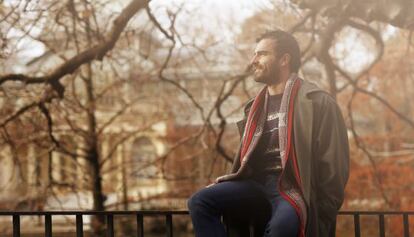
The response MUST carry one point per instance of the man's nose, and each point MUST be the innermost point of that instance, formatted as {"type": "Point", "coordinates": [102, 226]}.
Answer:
{"type": "Point", "coordinates": [250, 67]}
{"type": "Point", "coordinates": [253, 61]}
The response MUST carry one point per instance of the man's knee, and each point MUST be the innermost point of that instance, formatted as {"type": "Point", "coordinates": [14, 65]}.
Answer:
{"type": "Point", "coordinates": [192, 202]}
{"type": "Point", "coordinates": [282, 230]}
{"type": "Point", "coordinates": [286, 226]}
{"type": "Point", "coordinates": [196, 201]}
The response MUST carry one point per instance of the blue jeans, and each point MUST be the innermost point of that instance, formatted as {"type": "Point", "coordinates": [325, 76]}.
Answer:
{"type": "Point", "coordinates": [242, 199]}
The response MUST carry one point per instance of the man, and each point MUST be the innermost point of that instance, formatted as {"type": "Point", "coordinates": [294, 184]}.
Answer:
{"type": "Point", "coordinates": [294, 153]}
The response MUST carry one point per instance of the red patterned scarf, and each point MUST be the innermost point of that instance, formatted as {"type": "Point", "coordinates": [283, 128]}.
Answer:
{"type": "Point", "coordinates": [290, 182]}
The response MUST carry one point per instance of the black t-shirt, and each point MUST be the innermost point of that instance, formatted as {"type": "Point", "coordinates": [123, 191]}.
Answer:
{"type": "Point", "coordinates": [266, 157]}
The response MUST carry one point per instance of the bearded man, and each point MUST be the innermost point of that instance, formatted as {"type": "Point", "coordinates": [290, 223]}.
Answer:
{"type": "Point", "coordinates": [293, 155]}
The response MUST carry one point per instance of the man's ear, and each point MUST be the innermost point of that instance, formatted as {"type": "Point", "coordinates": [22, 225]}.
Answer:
{"type": "Point", "coordinates": [285, 60]}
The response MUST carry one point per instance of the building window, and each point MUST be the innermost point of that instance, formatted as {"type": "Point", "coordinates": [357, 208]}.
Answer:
{"type": "Point", "coordinates": [144, 157]}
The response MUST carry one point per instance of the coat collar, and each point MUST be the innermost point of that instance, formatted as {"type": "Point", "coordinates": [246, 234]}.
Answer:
{"type": "Point", "coordinates": [305, 89]}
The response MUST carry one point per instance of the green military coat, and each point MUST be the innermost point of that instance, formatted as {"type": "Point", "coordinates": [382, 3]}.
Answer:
{"type": "Point", "coordinates": [322, 151]}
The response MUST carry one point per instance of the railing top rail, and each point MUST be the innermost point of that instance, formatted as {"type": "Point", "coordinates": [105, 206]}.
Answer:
{"type": "Point", "coordinates": [174, 212]}
{"type": "Point", "coordinates": [72, 212]}
{"type": "Point", "coordinates": [376, 212]}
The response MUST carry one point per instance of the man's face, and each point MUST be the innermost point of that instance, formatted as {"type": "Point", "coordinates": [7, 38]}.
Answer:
{"type": "Point", "coordinates": [265, 64]}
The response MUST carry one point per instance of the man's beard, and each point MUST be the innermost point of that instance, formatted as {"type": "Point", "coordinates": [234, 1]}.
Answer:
{"type": "Point", "coordinates": [268, 76]}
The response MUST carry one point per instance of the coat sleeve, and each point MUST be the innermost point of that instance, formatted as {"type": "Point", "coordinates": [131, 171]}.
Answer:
{"type": "Point", "coordinates": [332, 157]}
{"type": "Point", "coordinates": [240, 125]}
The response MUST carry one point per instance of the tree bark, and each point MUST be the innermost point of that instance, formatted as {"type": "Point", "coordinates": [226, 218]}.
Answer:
{"type": "Point", "coordinates": [93, 156]}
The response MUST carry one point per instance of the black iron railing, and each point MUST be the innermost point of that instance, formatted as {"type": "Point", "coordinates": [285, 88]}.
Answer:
{"type": "Point", "coordinates": [381, 220]}
{"type": "Point", "coordinates": [109, 215]}
{"type": "Point", "coordinates": [139, 215]}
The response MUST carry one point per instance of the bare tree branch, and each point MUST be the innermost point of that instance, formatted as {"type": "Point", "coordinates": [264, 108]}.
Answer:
{"type": "Point", "coordinates": [96, 52]}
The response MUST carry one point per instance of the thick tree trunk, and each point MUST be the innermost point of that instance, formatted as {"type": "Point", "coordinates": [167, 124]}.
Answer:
{"type": "Point", "coordinates": [98, 222]}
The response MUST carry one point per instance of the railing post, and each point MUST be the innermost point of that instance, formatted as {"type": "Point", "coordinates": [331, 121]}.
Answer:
{"type": "Point", "coordinates": [140, 225]}
{"type": "Point", "coordinates": [48, 225]}
{"type": "Point", "coordinates": [16, 226]}
{"type": "Point", "coordinates": [168, 222]}
{"type": "Point", "coordinates": [251, 230]}
{"type": "Point", "coordinates": [406, 225]}
{"type": "Point", "coordinates": [357, 227]}
{"type": "Point", "coordinates": [382, 225]}
{"type": "Point", "coordinates": [79, 225]}
{"type": "Point", "coordinates": [110, 225]}
{"type": "Point", "coordinates": [225, 223]}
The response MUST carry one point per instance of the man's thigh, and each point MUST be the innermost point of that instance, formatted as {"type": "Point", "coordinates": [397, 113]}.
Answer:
{"type": "Point", "coordinates": [284, 220]}
{"type": "Point", "coordinates": [232, 197]}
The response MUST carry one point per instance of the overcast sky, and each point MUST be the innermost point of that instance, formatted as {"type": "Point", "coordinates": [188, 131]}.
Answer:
{"type": "Point", "coordinates": [224, 18]}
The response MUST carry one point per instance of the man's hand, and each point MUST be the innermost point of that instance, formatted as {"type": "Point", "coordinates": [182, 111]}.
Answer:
{"type": "Point", "coordinates": [220, 179]}
{"type": "Point", "coordinates": [210, 185]}
{"type": "Point", "coordinates": [214, 182]}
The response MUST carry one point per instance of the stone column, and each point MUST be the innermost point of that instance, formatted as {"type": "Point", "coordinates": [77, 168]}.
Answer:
{"type": "Point", "coordinates": [119, 161]}
{"type": "Point", "coordinates": [56, 166]}
{"type": "Point", "coordinates": [31, 165]}
{"type": "Point", "coordinates": [104, 150]}
{"type": "Point", "coordinates": [81, 163]}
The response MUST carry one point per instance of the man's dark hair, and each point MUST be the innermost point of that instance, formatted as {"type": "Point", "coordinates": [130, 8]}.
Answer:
{"type": "Point", "coordinates": [285, 43]}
